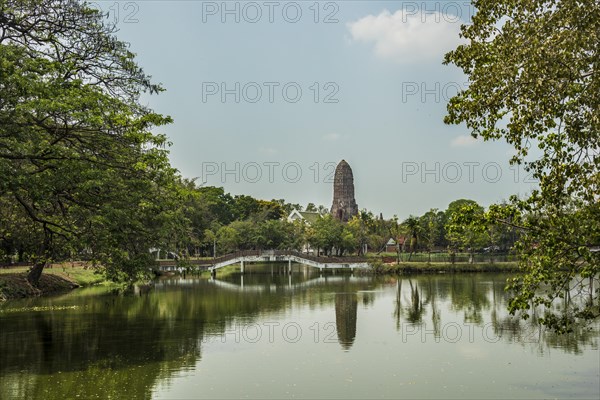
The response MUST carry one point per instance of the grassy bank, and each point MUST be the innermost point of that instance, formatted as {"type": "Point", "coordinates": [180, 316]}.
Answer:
{"type": "Point", "coordinates": [423, 267]}
{"type": "Point", "coordinates": [59, 278]}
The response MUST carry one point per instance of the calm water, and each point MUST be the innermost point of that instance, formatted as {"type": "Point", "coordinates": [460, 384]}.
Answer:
{"type": "Point", "coordinates": [272, 335]}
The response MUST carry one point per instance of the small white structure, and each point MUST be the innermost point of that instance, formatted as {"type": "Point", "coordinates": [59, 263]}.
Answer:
{"type": "Point", "coordinates": [390, 246]}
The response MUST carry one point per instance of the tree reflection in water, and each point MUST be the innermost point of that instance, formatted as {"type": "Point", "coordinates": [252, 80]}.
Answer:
{"type": "Point", "coordinates": [413, 310]}
{"type": "Point", "coordinates": [103, 345]}
{"type": "Point", "coordinates": [473, 294]}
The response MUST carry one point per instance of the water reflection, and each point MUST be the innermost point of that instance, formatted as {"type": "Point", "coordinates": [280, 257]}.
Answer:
{"type": "Point", "coordinates": [482, 302]}
{"type": "Point", "coordinates": [346, 307]}
{"type": "Point", "coordinates": [121, 343]}
{"type": "Point", "coordinates": [99, 344]}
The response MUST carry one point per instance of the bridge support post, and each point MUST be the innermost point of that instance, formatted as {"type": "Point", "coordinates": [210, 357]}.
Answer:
{"type": "Point", "coordinates": [289, 266]}
{"type": "Point", "coordinates": [242, 266]}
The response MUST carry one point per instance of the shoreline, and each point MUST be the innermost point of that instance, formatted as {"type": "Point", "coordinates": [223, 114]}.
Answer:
{"type": "Point", "coordinates": [14, 285]}
{"type": "Point", "coordinates": [55, 280]}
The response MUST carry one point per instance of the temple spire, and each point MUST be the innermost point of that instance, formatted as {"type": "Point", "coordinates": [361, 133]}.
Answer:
{"type": "Point", "coordinates": [344, 205]}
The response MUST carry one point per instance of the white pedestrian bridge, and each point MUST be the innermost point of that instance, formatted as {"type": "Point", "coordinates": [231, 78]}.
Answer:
{"type": "Point", "coordinates": [279, 256]}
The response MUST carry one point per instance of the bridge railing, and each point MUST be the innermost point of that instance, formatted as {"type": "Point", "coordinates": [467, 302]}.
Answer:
{"type": "Point", "coordinates": [326, 259]}
{"type": "Point", "coordinates": [237, 254]}
{"type": "Point", "coordinates": [319, 259]}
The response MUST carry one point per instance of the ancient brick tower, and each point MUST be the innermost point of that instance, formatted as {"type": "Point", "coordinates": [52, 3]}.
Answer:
{"type": "Point", "coordinates": [344, 206]}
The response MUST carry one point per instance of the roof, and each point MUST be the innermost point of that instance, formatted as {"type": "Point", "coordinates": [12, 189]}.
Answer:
{"type": "Point", "coordinates": [307, 216]}
{"type": "Point", "coordinates": [310, 216]}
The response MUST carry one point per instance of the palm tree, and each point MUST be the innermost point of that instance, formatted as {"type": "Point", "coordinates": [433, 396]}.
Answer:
{"type": "Point", "coordinates": [414, 230]}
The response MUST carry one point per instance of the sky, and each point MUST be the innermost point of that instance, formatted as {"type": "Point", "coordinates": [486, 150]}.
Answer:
{"type": "Point", "coordinates": [268, 96]}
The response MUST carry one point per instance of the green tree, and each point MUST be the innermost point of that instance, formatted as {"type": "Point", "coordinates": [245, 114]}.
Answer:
{"type": "Point", "coordinates": [297, 239]}
{"type": "Point", "coordinates": [17, 233]}
{"type": "Point", "coordinates": [244, 206]}
{"type": "Point", "coordinates": [247, 232]}
{"type": "Point", "coordinates": [77, 152]}
{"type": "Point", "coordinates": [358, 227]}
{"type": "Point", "coordinates": [270, 210]}
{"type": "Point", "coordinates": [414, 230]}
{"type": "Point", "coordinates": [466, 229]}
{"type": "Point", "coordinates": [228, 239]}
{"type": "Point", "coordinates": [209, 240]}
{"type": "Point", "coordinates": [533, 70]}
{"type": "Point", "coordinates": [326, 234]}
{"type": "Point", "coordinates": [348, 242]}
{"type": "Point", "coordinates": [456, 205]}
{"type": "Point", "coordinates": [215, 206]}
{"type": "Point", "coordinates": [274, 234]}
{"type": "Point", "coordinates": [430, 222]}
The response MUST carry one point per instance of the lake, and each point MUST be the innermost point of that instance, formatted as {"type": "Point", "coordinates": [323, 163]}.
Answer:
{"type": "Point", "coordinates": [267, 334]}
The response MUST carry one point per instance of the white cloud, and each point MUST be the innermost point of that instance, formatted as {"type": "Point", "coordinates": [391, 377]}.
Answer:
{"type": "Point", "coordinates": [332, 137]}
{"type": "Point", "coordinates": [408, 37]}
{"type": "Point", "coordinates": [463, 141]}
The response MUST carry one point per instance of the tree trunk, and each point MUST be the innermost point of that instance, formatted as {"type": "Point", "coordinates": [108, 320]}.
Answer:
{"type": "Point", "coordinates": [34, 274]}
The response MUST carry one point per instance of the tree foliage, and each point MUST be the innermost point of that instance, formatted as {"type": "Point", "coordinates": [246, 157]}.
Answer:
{"type": "Point", "coordinates": [466, 230]}
{"type": "Point", "coordinates": [82, 169]}
{"type": "Point", "coordinates": [533, 69]}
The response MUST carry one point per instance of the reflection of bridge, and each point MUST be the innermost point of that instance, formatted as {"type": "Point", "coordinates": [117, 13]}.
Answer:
{"type": "Point", "coordinates": [290, 286]}
{"type": "Point", "coordinates": [264, 256]}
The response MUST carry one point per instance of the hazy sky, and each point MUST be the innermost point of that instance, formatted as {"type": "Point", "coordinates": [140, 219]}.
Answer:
{"type": "Point", "coordinates": [268, 96]}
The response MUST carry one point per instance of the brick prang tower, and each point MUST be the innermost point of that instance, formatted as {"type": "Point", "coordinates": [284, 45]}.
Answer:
{"type": "Point", "coordinates": [344, 205]}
